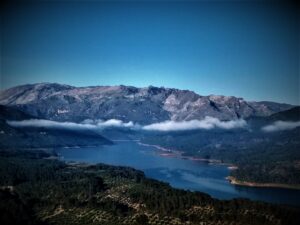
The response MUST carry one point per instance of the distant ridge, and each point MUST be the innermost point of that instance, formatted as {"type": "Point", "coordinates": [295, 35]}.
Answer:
{"type": "Point", "coordinates": [292, 114]}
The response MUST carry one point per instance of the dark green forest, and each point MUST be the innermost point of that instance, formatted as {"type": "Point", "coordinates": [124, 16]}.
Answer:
{"type": "Point", "coordinates": [38, 189]}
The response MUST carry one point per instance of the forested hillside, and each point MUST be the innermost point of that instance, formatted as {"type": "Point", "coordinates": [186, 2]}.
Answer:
{"type": "Point", "coordinates": [262, 157]}
{"type": "Point", "coordinates": [39, 190]}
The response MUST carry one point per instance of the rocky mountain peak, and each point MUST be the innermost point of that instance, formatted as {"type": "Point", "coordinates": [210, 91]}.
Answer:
{"type": "Point", "coordinates": [127, 103]}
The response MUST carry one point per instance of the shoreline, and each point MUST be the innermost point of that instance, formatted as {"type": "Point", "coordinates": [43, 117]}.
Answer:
{"type": "Point", "coordinates": [176, 153]}
{"type": "Point", "coordinates": [232, 180]}
{"type": "Point", "coordinates": [166, 152]}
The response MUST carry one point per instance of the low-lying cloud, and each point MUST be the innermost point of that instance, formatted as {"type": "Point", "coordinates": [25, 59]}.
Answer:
{"type": "Point", "coordinates": [108, 123]}
{"type": "Point", "coordinates": [207, 123]}
{"type": "Point", "coordinates": [281, 126]}
{"type": "Point", "coordinates": [87, 124]}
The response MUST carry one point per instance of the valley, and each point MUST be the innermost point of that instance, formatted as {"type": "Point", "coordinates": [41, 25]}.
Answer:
{"type": "Point", "coordinates": [144, 112]}
{"type": "Point", "coordinates": [179, 172]}
{"type": "Point", "coordinates": [223, 155]}
{"type": "Point", "coordinates": [37, 190]}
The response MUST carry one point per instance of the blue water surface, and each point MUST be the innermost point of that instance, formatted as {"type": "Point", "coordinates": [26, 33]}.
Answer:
{"type": "Point", "coordinates": [179, 172]}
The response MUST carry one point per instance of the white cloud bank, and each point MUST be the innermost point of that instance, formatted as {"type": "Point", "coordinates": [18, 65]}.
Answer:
{"type": "Point", "coordinates": [207, 123]}
{"type": "Point", "coordinates": [87, 124]}
{"type": "Point", "coordinates": [281, 126]}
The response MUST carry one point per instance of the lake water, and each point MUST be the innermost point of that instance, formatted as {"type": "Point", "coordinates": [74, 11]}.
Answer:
{"type": "Point", "coordinates": [180, 173]}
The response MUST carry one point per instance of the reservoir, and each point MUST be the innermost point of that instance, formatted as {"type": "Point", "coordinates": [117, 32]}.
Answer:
{"type": "Point", "coordinates": [178, 172]}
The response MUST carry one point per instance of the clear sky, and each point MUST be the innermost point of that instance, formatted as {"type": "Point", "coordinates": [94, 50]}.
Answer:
{"type": "Point", "coordinates": [241, 48]}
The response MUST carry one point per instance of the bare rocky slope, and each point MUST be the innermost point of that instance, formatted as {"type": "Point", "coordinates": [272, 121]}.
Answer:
{"type": "Point", "coordinates": [142, 105]}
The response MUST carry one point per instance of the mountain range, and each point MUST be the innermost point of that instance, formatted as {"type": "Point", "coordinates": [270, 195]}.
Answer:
{"type": "Point", "coordinates": [141, 105]}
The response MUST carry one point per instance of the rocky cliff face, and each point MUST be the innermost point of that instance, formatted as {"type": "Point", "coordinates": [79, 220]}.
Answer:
{"type": "Point", "coordinates": [141, 105]}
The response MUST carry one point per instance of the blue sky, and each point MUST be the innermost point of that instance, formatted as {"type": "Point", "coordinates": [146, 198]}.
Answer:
{"type": "Point", "coordinates": [241, 48]}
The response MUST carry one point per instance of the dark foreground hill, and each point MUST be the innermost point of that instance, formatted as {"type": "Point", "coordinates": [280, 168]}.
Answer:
{"type": "Point", "coordinates": [37, 190]}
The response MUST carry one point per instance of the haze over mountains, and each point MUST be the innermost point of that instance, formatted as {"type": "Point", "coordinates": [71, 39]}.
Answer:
{"type": "Point", "coordinates": [126, 103]}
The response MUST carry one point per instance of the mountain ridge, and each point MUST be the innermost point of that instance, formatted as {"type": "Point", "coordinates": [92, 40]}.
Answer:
{"type": "Point", "coordinates": [142, 105]}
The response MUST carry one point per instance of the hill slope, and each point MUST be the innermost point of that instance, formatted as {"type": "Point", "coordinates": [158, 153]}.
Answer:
{"type": "Point", "coordinates": [43, 191]}
{"type": "Point", "coordinates": [261, 157]}
{"type": "Point", "coordinates": [12, 138]}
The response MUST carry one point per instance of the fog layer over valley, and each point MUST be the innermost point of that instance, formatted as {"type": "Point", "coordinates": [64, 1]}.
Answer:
{"type": "Point", "coordinates": [207, 123]}
{"type": "Point", "coordinates": [281, 126]}
{"type": "Point", "coordinates": [254, 136]}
